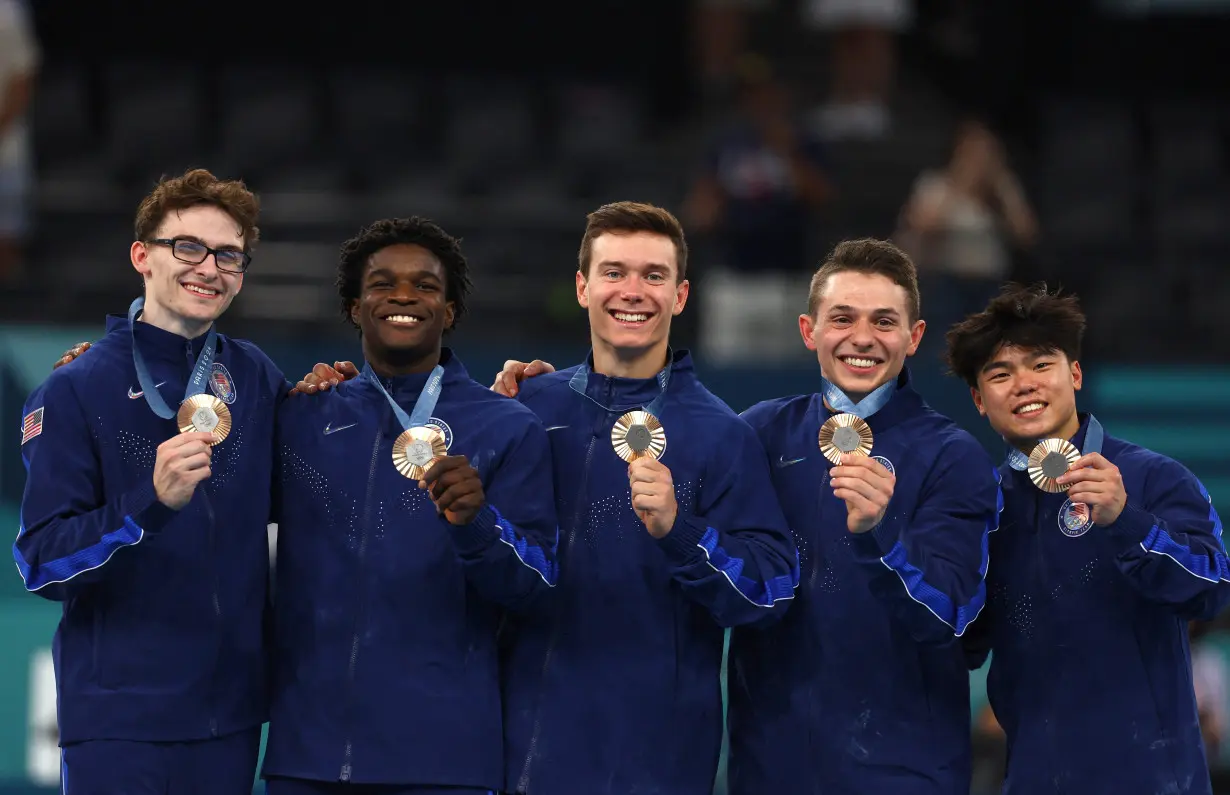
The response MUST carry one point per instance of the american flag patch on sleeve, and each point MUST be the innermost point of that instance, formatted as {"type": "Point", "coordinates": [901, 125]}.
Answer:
{"type": "Point", "coordinates": [32, 425]}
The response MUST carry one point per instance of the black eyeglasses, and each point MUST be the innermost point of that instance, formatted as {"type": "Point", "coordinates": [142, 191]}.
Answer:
{"type": "Point", "coordinates": [194, 252]}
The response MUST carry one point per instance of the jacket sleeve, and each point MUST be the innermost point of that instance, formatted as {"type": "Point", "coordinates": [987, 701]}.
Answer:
{"type": "Point", "coordinates": [929, 567]}
{"type": "Point", "coordinates": [69, 529]}
{"type": "Point", "coordinates": [1169, 544]}
{"type": "Point", "coordinates": [509, 550]}
{"type": "Point", "coordinates": [736, 556]}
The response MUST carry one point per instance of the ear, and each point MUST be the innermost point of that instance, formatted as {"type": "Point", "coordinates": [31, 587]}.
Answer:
{"type": "Point", "coordinates": [682, 290]}
{"type": "Point", "coordinates": [1078, 378]}
{"type": "Point", "coordinates": [977, 396]}
{"type": "Point", "coordinates": [916, 335]}
{"type": "Point", "coordinates": [807, 329]}
{"type": "Point", "coordinates": [582, 290]}
{"type": "Point", "coordinates": [450, 314]}
{"type": "Point", "coordinates": [139, 255]}
{"type": "Point", "coordinates": [354, 311]}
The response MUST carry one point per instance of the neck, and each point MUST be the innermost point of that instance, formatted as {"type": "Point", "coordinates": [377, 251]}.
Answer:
{"type": "Point", "coordinates": [629, 363]}
{"type": "Point", "coordinates": [159, 317]}
{"type": "Point", "coordinates": [390, 364]}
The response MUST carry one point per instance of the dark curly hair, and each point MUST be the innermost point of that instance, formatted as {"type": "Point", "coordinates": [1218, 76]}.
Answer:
{"type": "Point", "coordinates": [413, 231]}
{"type": "Point", "coordinates": [1031, 317]}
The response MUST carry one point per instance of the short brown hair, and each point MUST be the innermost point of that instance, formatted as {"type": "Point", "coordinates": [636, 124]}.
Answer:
{"type": "Point", "coordinates": [630, 217]}
{"type": "Point", "coordinates": [868, 255]}
{"type": "Point", "coordinates": [194, 188]}
{"type": "Point", "coordinates": [1033, 318]}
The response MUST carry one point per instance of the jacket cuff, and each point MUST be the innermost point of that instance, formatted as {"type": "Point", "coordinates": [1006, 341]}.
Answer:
{"type": "Point", "coordinates": [1132, 526]}
{"type": "Point", "coordinates": [876, 542]}
{"type": "Point", "coordinates": [682, 543]}
{"type": "Point", "coordinates": [144, 509]}
{"type": "Point", "coordinates": [473, 538]}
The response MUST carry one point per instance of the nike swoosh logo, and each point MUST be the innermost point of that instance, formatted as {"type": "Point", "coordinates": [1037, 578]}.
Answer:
{"type": "Point", "coordinates": [134, 395]}
{"type": "Point", "coordinates": [782, 462]}
{"type": "Point", "coordinates": [557, 427]}
{"type": "Point", "coordinates": [330, 429]}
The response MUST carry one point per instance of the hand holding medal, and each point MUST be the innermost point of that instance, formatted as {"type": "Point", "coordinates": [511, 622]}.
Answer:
{"type": "Point", "coordinates": [858, 480]}
{"type": "Point", "coordinates": [455, 487]}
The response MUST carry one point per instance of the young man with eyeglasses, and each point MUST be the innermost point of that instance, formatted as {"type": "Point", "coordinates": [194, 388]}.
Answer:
{"type": "Point", "coordinates": [145, 512]}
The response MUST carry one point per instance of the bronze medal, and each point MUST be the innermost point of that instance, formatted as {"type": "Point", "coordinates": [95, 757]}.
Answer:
{"type": "Point", "coordinates": [1050, 459]}
{"type": "Point", "coordinates": [416, 450]}
{"type": "Point", "coordinates": [638, 434]}
{"type": "Point", "coordinates": [845, 433]}
{"type": "Point", "coordinates": [207, 414]}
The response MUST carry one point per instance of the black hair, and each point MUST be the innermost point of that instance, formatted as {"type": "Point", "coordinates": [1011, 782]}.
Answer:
{"type": "Point", "coordinates": [413, 231]}
{"type": "Point", "coordinates": [1033, 318]}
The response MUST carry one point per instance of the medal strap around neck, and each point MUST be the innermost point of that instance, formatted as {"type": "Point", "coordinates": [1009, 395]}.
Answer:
{"type": "Point", "coordinates": [580, 380]}
{"type": "Point", "coordinates": [841, 403]}
{"type": "Point", "coordinates": [1094, 436]}
{"type": "Point", "coordinates": [200, 371]}
{"type": "Point", "coordinates": [423, 407]}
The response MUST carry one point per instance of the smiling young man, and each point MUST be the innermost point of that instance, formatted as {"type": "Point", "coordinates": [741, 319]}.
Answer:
{"type": "Point", "coordinates": [394, 570]}
{"type": "Point", "coordinates": [862, 686]}
{"type": "Point", "coordinates": [1096, 575]}
{"type": "Point", "coordinates": [154, 540]}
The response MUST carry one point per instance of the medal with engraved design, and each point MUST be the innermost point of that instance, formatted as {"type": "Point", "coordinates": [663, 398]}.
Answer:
{"type": "Point", "coordinates": [638, 434]}
{"type": "Point", "coordinates": [1050, 459]}
{"type": "Point", "coordinates": [416, 449]}
{"type": "Point", "coordinates": [845, 433]}
{"type": "Point", "coordinates": [204, 413]}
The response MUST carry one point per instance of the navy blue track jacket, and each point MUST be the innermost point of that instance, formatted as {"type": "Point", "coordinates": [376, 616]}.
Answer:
{"type": "Point", "coordinates": [386, 615]}
{"type": "Point", "coordinates": [616, 688]}
{"type": "Point", "coordinates": [862, 687]}
{"type": "Point", "coordinates": [162, 636]}
{"type": "Point", "coordinates": [1091, 674]}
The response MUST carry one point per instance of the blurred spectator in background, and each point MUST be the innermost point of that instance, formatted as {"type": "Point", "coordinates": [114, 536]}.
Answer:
{"type": "Point", "coordinates": [760, 185]}
{"type": "Point", "coordinates": [1209, 682]}
{"type": "Point", "coordinates": [863, 51]}
{"type": "Point", "coordinates": [721, 29]}
{"type": "Point", "coordinates": [18, 62]}
{"type": "Point", "coordinates": [960, 225]}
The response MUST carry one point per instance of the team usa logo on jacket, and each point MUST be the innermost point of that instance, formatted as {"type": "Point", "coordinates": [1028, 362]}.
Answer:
{"type": "Point", "coordinates": [1074, 519]}
{"type": "Point", "coordinates": [445, 431]}
{"type": "Point", "coordinates": [885, 463]}
{"type": "Point", "coordinates": [221, 383]}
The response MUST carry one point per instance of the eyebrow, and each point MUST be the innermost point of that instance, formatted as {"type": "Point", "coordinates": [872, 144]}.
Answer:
{"type": "Point", "coordinates": [1029, 358]}
{"type": "Point", "coordinates": [614, 263]}
{"type": "Point", "coordinates": [887, 310]}
{"type": "Point", "coordinates": [388, 274]}
{"type": "Point", "coordinates": [195, 239]}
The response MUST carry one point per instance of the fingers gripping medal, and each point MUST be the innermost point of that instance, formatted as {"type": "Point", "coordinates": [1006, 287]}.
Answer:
{"type": "Point", "coordinates": [207, 414]}
{"type": "Point", "coordinates": [1050, 459]}
{"type": "Point", "coordinates": [416, 450]}
{"type": "Point", "coordinates": [845, 433]}
{"type": "Point", "coordinates": [638, 434]}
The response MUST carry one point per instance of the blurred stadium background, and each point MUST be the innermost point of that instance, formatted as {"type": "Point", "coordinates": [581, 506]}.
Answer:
{"type": "Point", "coordinates": [773, 127]}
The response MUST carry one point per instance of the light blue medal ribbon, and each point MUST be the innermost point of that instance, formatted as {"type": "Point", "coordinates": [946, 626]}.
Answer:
{"type": "Point", "coordinates": [580, 380]}
{"type": "Point", "coordinates": [200, 372]}
{"type": "Point", "coordinates": [423, 407]}
{"type": "Point", "coordinates": [841, 403]}
{"type": "Point", "coordinates": [1094, 436]}
{"type": "Point", "coordinates": [633, 436]}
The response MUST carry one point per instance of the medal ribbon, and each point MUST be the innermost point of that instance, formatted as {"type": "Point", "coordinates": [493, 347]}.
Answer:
{"type": "Point", "coordinates": [840, 402]}
{"type": "Point", "coordinates": [1094, 436]}
{"type": "Point", "coordinates": [580, 380]}
{"type": "Point", "coordinates": [423, 407]}
{"type": "Point", "coordinates": [200, 371]}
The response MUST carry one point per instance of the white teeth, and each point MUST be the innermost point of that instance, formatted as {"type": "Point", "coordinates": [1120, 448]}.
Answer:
{"type": "Point", "coordinates": [628, 317]}
{"type": "Point", "coordinates": [856, 362]}
{"type": "Point", "coordinates": [1028, 407]}
{"type": "Point", "coordinates": [402, 319]}
{"type": "Point", "coordinates": [200, 290]}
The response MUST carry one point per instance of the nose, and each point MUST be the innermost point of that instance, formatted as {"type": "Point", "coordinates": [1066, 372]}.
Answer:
{"type": "Point", "coordinates": [403, 293]}
{"type": "Point", "coordinates": [207, 269]}
{"type": "Point", "coordinates": [860, 334]}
